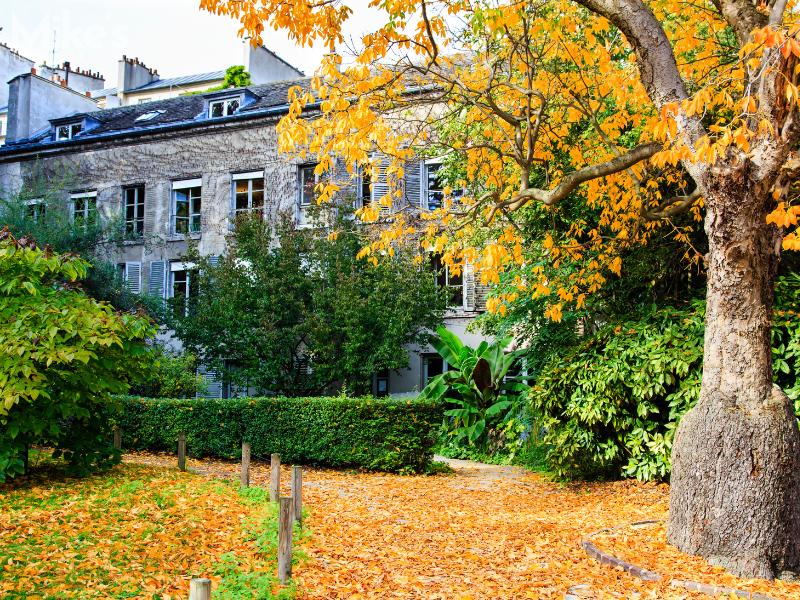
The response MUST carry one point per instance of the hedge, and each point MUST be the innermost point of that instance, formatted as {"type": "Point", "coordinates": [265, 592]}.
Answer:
{"type": "Point", "coordinates": [369, 433]}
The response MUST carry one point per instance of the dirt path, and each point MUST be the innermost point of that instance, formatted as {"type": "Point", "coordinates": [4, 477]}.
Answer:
{"type": "Point", "coordinates": [482, 532]}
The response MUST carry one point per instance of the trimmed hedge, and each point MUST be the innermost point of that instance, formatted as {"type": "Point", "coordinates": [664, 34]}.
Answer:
{"type": "Point", "coordinates": [374, 434]}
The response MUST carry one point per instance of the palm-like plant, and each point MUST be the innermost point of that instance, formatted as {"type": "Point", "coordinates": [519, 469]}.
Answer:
{"type": "Point", "coordinates": [476, 384]}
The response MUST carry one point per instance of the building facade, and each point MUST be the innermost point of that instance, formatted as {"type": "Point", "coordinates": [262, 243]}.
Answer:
{"type": "Point", "coordinates": [179, 170]}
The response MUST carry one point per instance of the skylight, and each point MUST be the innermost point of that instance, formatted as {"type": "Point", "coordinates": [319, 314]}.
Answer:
{"type": "Point", "coordinates": [149, 116]}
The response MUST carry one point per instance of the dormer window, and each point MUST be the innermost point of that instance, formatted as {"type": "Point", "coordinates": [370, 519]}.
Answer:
{"type": "Point", "coordinates": [149, 116]}
{"type": "Point", "coordinates": [68, 131]}
{"type": "Point", "coordinates": [223, 107]}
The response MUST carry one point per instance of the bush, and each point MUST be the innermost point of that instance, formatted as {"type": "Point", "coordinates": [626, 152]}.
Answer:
{"type": "Point", "coordinates": [64, 356]}
{"type": "Point", "coordinates": [610, 405]}
{"type": "Point", "coordinates": [374, 434]}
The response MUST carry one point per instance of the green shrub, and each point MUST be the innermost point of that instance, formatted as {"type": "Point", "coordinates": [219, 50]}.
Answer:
{"type": "Point", "coordinates": [374, 434]}
{"type": "Point", "coordinates": [610, 405]}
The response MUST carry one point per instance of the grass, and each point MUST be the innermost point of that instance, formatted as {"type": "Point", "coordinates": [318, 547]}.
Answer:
{"type": "Point", "coordinates": [134, 532]}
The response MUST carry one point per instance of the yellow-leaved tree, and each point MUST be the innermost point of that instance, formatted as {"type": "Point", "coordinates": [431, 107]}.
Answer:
{"type": "Point", "coordinates": [678, 108]}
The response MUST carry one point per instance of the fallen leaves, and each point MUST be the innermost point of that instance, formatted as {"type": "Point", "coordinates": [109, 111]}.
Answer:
{"type": "Point", "coordinates": [483, 532]}
{"type": "Point", "coordinates": [133, 532]}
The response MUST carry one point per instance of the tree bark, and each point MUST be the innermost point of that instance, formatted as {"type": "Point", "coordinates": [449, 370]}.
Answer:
{"type": "Point", "coordinates": [735, 485]}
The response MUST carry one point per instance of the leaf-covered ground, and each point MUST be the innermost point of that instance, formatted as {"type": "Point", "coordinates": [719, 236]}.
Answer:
{"type": "Point", "coordinates": [133, 532]}
{"type": "Point", "coordinates": [481, 532]}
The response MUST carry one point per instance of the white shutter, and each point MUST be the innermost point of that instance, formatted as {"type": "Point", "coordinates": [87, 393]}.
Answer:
{"type": "Point", "coordinates": [133, 276]}
{"type": "Point", "coordinates": [156, 282]}
{"type": "Point", "coordinates": [381, 186]}
{"type": "Point", "coordinates": [469, 287]}
{"type": "Point", "coordinates": [413, 183]}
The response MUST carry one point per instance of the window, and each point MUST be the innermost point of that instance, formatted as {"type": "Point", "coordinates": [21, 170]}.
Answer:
{"type": "Point", "coordinates": [248, 193]}
{"type": "Point", "coordinates": [182, 284]}
{"type": "Point", "coordinates": [307, 180]}
{"type": "Point", "coordinates": [186, 206]}
{"type": "Point", "coordinates": [223, 108]}
{"type": "Point", "coordinates": [144, 100]}
{"type": "Point", "coordinates": [149, 116]}
{"type": "Point", "coordinates": [131, 275]}
{"type": "Point", "coordinates": [432, 365]}
{"type": "Point", "coordinates": [382, 383]}
{"type": "Point", "coordinates": [446, 279]}
{"type": "Point", "coordinates": [364, 187]}
{"type": "Point", "coordinates": [35, 209]}
{"type": "Point", "coordinates": [134, 211]}
{"type": "Point", "coordinates": [84, 208]}
{"type": "Point", "coordinates": [433, 186]}
{"type": "Point", "coordinates": [67, 132]}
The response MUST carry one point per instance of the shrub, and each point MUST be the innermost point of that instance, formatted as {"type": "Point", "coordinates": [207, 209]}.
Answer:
{"type": "Point", "coordinates": [374, 434]}
{"type": "Point", "coordinates": [63, 357]}
{"type": "Point", "coordinates": [610, 405]}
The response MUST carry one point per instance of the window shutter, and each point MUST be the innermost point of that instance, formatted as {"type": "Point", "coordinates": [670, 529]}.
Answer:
{"type": "Point", "coordinates": [381, 187]}
{"type": "Point", "coordinates": [133, 277]}
{"type": "Point", "coordinates": [156, 282]}
{"type": "Point", "coordinates": [213, 383]}
{"type": "Point", "coordinates": [413, 189]}
{"type": "Point", "coordinates": [469, 287]}
{"type": "Point", "coordinates": [213, 260]}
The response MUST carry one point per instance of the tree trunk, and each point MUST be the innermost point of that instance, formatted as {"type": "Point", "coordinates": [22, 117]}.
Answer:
{"type": "Point", "coordinates": [735, 485]}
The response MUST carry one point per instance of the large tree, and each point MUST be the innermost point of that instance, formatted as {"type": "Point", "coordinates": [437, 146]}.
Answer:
{"type": "Point", "coordinates": [691, 107]}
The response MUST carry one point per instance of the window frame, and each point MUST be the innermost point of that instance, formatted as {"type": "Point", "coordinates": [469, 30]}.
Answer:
{"type": "Point", "coordinates": [443, 271]}
{"type": "Point", "coordinates": [36, 209]}
{"type": "Point", "coordinates": [364, 177]}
{"type": "Point", "coordinates": [301, 184]}
{"type": "Point", "coordinates": [425, 190]}
{"type": "Point", "coordinates": [425, 356]}
{"type": "Point", "coordinates": [194, 206]}
{"type": "Point", "coordinates": [89, 207]}
{"type": "Point", "coordinates": [226, 104]}
{"type": "Point", "coordinates": [190, 271]}
{"type": "Point", "coordinates": [250, 177]}
{"type": "Point", "coordinates": [134, 227]}
{"type": "Point", "coordinates": [71, 132]}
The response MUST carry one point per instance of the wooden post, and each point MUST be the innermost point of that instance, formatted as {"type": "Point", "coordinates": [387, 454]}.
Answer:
{"type": "Point", "coordinates": [274, 477]}
{"type": "Point", "coordinates": [245, 475]}
{"type": "Point", "coordinates": [285, 525]}
{"type": "Point", "coordinates": [117, 438]}
{"type": "Point", "coordinates": [182, 451]}
{"type": "Point", "coordinates": [200, 589]}
{"type": "Point", "coordinates": [297, 493]}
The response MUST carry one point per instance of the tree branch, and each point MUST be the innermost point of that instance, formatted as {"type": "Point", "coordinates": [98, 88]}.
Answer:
{"type": "Point", "coordinates": [573, 180]}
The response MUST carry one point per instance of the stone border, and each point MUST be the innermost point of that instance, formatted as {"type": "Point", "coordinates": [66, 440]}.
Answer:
{"type": "Point", "coordinates": [645, 575]}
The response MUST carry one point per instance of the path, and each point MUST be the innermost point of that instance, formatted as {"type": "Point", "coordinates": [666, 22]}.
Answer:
{"type": "Point", "coordinates": [482, 532]}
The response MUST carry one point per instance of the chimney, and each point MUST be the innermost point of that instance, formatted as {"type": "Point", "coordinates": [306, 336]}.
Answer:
{"type": "Point", "coordinates": [133, 74]}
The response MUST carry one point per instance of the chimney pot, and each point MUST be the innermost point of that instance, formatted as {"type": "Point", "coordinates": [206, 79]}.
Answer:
{"type": "Point", "coordinates": [63, 83]}
{"type": "Point", "coordinates": [33, 70]}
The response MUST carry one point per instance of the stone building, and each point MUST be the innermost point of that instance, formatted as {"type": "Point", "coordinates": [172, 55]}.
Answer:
{"type": "Point", "coordinates": [180, 169]}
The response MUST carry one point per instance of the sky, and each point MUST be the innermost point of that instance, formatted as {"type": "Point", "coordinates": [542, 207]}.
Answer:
{"type": "Point", "coordinates": [173, 36]}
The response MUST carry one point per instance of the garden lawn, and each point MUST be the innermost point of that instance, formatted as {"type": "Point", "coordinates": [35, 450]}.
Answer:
{"type": "Point", "coordinates": [133, 532]}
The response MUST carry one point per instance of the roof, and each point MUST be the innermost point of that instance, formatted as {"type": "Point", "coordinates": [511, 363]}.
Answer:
{"type": "Point", "coordinates": [183, 111]}
{"type": "Point", "coordinates": [103, 93]}
{"type": "Point", "coordinates": [184, 80]}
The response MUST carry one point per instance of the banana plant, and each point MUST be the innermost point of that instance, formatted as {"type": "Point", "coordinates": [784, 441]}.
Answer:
{"type": "Point", "coordinates": [476, 385]}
